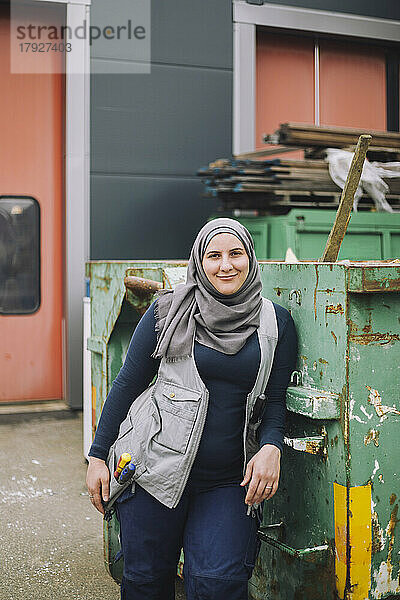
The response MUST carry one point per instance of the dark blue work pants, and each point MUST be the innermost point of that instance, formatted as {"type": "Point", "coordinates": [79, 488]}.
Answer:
{"type": "Point", "coordinates": [218, 538]}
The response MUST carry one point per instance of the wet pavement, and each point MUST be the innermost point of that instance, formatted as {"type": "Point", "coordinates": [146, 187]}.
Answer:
{"type": "Point", "coordinates": [51, 537]}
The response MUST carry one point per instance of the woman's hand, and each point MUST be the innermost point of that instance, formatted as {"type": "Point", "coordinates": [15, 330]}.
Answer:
{"type": "Point", "coordinates": [98, 482]}
{"type": "Point", "coordinates": [262, 472]}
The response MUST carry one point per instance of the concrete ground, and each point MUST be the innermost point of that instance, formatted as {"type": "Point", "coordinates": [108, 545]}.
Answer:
{"type": "Point", "coordinates": [51, 536]}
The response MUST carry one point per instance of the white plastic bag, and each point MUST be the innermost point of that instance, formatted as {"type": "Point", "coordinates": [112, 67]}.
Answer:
{"type": "Point", "coordinates": [371, 183]}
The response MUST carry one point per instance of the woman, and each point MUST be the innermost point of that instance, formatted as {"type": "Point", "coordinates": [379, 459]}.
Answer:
{"type": "Point", "coordinates": [208, 455]}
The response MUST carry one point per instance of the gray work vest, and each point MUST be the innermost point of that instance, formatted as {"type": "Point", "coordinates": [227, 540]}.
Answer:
{"type": "Point", "coordinates": [164, 425]}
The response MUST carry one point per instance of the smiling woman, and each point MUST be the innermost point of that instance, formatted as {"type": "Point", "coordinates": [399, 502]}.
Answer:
{"type": "Point", "coordinates": [226, 263]}
{"type": "Point", "coordinates": [205, 443]}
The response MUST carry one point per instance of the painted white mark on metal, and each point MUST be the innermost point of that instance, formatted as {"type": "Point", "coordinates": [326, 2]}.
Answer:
{"type": "Point", "coordinates": [354, 417]}
{"type": "Point", "coordinates": [316, 548]}
{"type": "Point", "coordinates": [305, 377]}
{"type": "Point", "coordinates": [376, 467]}
{"type": "Point", "coordinates": [317, 402]}
{"type": "Point", "coordinates": [174, 276]}
{"type": "Point", "coordinates": [381, 410]}
{"type": "Point", "coordinates": [384, 582]}
{"type": "Point", "coordinates": [312, 444]}
{"type": "Point", "coordinates": [363, 410]}
{"type": "Point", "coordinates": [296, 444]}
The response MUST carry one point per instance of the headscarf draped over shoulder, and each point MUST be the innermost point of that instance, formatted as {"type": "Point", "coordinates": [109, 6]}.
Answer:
{"type": "Point", "coordinates": [196, 310]}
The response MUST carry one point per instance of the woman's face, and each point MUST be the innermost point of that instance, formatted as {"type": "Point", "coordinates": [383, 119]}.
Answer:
{"type": "Point", "coordinates": [226, 263]}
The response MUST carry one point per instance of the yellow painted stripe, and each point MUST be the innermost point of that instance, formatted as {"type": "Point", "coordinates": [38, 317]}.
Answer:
{"type": "Point", "coordinates": [340, 508]}
{"type": "Point", "coordinates": [359, 538]}
{"type": "Point", "coordinates": [360, 541]}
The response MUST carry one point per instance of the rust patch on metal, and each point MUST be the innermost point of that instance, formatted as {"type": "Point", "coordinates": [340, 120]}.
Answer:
{"type": "Point", "coordinates": [390, 532]}
{"type": "Point", "coordinates": [313, 447]}
{"type": "Point", "coordinates": [368, 327]}
{"type": "Point", "coordinates": [370, 337]}
{"type": "Point", "coordinates": [142, 285]}
{"type": "Point", "coordinates": [375, 399]}
{"type": "Point", "coordinates": [279, 291]}
{"type": "Point", "coordinates": [384, 285]}
{"type": "Point", "coordinates": [380, 338]}
{"type": "Point", "coordinates": [341, 542]}
{"type": "Point", "coordinates": [392, 498]}
{"type": "Point", "coordinates": [372, 436]}
{"type": "Point", "coordinates": [335, 309]}
{"type": "Point", "coordinates": [107, 283]}
{"type": "Point", "coordinates": [334, 337]}
{"type": "Point", "coordinates": [393, 521]}
{"type": "Point", "coordinates": [378, 538]}
{"type": "Point", "coordinates": [323, 361]}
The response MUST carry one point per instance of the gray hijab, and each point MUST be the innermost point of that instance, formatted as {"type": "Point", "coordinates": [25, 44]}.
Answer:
{"type": "Point", "coordinates": [196, 309]}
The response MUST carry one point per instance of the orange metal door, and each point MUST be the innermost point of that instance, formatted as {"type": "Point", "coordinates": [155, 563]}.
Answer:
{"type": "Point", "coordinates": [352, 85]}
{"type": "Point", "coordinates": [284, 82]}
{"type": "Point", "coordinates": [31, 164]}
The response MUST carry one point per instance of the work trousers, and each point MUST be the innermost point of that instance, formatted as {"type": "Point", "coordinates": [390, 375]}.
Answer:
{"type": "Point", "coordinates": [218, 537]}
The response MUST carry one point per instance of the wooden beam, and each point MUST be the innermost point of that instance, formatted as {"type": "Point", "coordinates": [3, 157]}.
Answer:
{"type": "Point", "coordinates": [346, 201]}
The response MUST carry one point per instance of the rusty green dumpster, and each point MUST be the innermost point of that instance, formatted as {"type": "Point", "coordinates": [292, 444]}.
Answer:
{"type": "Point", "coordinates": [331, 531]}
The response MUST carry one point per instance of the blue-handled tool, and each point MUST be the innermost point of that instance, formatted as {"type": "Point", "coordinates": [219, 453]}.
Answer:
{"type": "Point", "coordinates": [127, 473]}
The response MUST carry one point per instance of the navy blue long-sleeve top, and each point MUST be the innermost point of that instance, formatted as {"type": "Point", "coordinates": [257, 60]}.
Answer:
{"type": "Point", "coordinates": [228, 378]}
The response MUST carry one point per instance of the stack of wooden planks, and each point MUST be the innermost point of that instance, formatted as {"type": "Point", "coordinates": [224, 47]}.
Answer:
{"type": "Point", "coordinates": [274, 185]}
{"type": "Point", "coordinates": [266, 183]}
{"type": "Point", "coordinates": [303, 136]}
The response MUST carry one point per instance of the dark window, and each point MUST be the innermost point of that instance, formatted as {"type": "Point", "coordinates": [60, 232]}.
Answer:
{"type": "Point", "coordinates": [19, 255]}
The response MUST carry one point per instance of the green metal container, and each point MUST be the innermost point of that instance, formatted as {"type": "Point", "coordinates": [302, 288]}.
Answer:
{"type": "Point", "coordinates": [370, 235]}
{"type": "Point", "coordinates": [331, 530]}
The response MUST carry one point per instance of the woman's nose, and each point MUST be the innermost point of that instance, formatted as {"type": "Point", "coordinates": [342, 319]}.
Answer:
{"type": "Point", "coordinates": [225, 264]}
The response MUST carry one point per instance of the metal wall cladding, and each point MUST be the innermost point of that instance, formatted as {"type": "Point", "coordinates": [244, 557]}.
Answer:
{"type": "Point", "coordinates": [370, 8]}
{"type": "Point", "coordinates": [150, 132]}
{"type": "Point", "coordinates": [331, 531]}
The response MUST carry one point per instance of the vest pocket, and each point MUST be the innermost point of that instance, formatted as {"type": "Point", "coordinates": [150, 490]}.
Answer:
{"type": "Point", "coordinates": [177, 414]}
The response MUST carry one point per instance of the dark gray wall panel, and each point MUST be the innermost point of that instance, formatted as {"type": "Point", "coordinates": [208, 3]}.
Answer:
{"type": "Point", "coordinates": [385, 9]}
{"type": "Point", "coordinates": [184, 32]}
{"type": "Point", "coordinates": [146, 218]}
{"type": "Point", "coordinates": [192, 32]}
{"type": "Point", "coordinates": [171, 121]}
{"type": "Point", "coordinates": [150, 133]}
